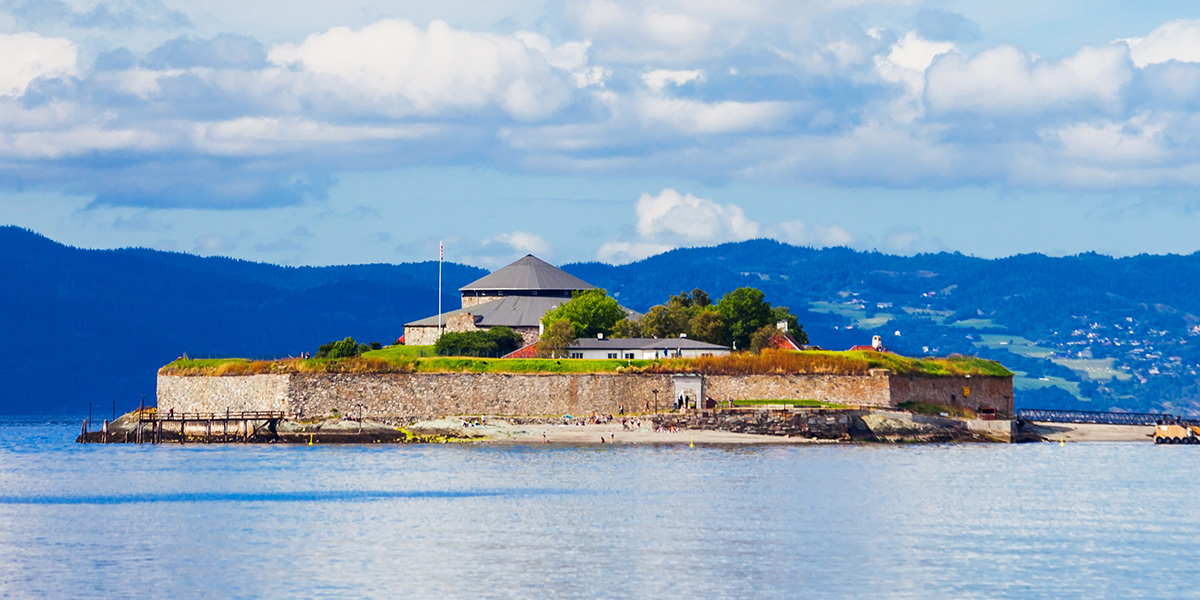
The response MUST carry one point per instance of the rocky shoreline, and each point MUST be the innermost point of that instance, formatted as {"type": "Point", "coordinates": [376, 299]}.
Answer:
{"type": "Point", "coordinates": [747, 426]}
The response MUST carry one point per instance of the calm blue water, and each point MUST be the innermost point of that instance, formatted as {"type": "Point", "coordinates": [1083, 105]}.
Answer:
{"type": "Point", "coordinates": [969, 521]}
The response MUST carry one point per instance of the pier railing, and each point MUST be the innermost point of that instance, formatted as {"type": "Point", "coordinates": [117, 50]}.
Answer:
{"type": "Point", "coordinates": [1086, 416]}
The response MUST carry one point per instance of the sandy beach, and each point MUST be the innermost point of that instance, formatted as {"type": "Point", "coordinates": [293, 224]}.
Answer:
{"type": "Point", "coordinates": [1087, 432]}
{"type": "Point", "coordinates": [499, 431]}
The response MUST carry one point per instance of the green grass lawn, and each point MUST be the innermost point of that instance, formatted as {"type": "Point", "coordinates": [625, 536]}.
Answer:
{"type": "Point", "coordinates": [401, 351]}
{"type": "Point", "coordinates": [773, 362]}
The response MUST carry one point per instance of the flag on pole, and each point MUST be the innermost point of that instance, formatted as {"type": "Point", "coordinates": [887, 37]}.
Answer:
{"type": "Point", "coordinates": [441, 251]}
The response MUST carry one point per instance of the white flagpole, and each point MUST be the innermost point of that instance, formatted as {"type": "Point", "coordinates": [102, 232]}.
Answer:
{"type": "Point", "coordinates": [441, 253]}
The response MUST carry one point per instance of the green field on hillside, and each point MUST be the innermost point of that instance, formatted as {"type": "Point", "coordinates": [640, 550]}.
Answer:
{"type": "Point", "coordinates": [1097, 369]}
{"type": "Point", "coordinates": [1013, 343]}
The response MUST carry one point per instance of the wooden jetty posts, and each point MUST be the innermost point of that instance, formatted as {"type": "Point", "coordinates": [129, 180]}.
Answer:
{"type": "Point", "coordinates": [154, 427]}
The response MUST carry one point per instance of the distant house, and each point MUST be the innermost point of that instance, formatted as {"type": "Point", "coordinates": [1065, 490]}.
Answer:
{"type": "Point", "coordinates": [876, 346]}
{"type": "Point", "coordinates": [516, 296]}
{"type": "Point", "coordinates": [643, 348]}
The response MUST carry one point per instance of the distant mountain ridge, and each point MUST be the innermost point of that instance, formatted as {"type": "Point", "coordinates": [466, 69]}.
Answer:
{"type": "Point", "coordinates": [95, 325]}
{"type": "Point", "coordinates": [1084, 331]}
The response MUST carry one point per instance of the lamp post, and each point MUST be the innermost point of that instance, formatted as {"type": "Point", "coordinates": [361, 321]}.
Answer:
{"type": "Point", "coordinates": [655, 401]}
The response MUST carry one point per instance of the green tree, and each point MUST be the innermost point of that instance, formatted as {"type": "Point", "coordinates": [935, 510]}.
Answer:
{"type": "Point", "coordinates": [658, 323]}
{"type": "Point", "coordinates": [700, 298]}
{"type": "Point", "coordinates": [556, 339]}
{"type": "Point", "coordinates": [762, 338]}
{"type": "Point", "coordinates": [744, 311]}
{"type": "Point", "coordinates": [347, 348]}
{"type": "Point", "coordinates": [589, 312]}
{"type": "Point", "coordinates": [626, 328]}
{"type": "Point", "coordinates": [708, 326]}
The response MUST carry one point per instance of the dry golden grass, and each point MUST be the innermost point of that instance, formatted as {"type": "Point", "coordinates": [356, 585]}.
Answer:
{"type": "Point", "coordinates": [234, 367]}
{"type": "Point", "coordinates": [770, 362]}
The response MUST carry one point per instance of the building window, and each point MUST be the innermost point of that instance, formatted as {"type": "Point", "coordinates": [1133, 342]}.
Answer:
{"type": "Point", "coordinates": [612, 354]}
{"type": "Point", "coordinates": [576, 355]}
{"type": "Point", "coordinates": [629, 355]}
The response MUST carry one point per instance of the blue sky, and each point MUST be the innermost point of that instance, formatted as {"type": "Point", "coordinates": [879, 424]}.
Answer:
{"type": "Point", "coordinates": [307, 132]}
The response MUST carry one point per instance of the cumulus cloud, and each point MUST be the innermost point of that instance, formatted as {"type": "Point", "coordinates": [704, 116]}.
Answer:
{"type": "Point", "coordinates": [1005, 80]}
{"type": "Point", "coordinates": [798, 233]}
{"type": "Point", "coordinates": [905, 64]}
{"type": "Point", "coordinates": [670, 219]}
{"type": "Point", "coordinates": [435, 71]}
{"type": "Point", "coordinates": [1176, 40]}
{"type": "Point", "coordinates": [658, 79]}
{"type": "Point", "coordinates": [687, 217]}
{"type": "Point", "coordinates": [29, 56]}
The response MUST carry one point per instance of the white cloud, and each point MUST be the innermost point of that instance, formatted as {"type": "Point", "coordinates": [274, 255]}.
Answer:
{"type": "Point", "coordinates": [687, 217]}
{"type": "Point", "coordinates": [619, 252]}
{"type": "Point", "coordinates": [1005, 80]}
{"type": "Point", "coordinates": [905, 64]}
{"type": "Point", "coordinates": [1139, 141]}
{"type": "Point", "coordinates": [432, 72]}
{"type": "Point", "coordinates": [29, 56]}
{"type": "Point", "coordinates": [266, 135]}
{"type": "Point", "coordinates": [658, 79]}
{"type": "Point", "coordinates": [1175, 40]}
{"type": "Point", "coordinates": [522, 242]}
{"type": "Point", "coordinates": [670, 219]}
{"type": "Point", "coordinates": [692, 117]}
{"type": "Point", "coordinates": [798, 233]}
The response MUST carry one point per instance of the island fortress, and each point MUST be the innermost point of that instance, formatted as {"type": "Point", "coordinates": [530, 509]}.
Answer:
{"type": "Point", "coordinates": [517, 296]}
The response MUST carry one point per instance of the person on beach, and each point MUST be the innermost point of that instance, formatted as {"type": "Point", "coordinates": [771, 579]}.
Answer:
{"type": "Point", "coordinates": [544, 440]}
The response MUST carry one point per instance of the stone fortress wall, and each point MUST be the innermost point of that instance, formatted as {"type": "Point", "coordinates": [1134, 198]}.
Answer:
{"type": "Point", "coordinates": [428, 395]}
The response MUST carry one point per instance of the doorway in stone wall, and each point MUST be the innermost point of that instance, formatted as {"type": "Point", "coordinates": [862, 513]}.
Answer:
{"type": "Point", "coordinates": [689, 390]}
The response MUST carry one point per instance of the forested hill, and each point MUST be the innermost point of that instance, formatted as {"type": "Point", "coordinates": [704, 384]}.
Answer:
{"type": "Point", "coordinates": [1084, 331]}
{"type": "Point", "coordinates": [79, 326]}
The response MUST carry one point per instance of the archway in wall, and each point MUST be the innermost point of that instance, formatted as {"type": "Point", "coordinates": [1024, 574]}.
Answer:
{"type": "Point", "coordinates": [690, 388]}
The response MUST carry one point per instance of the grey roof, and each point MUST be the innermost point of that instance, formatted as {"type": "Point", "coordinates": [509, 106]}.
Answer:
{"type": "Point", "coordinates": [644, 344]}
{"type": "Point", "coordinates": [507, 311]}
{"type": "Point", "coordinates": [529, 273]}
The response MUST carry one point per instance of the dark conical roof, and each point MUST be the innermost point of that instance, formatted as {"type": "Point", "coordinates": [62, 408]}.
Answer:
{"type": "Point", "coordinates": [529, 273]}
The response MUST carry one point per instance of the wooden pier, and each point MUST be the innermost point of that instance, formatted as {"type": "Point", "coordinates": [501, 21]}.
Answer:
{"type": "Point", "coordinates": [154, 427]}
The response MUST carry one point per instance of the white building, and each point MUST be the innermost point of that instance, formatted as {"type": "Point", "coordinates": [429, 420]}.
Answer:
{"type": "Point", "coordinates": [643, 348]}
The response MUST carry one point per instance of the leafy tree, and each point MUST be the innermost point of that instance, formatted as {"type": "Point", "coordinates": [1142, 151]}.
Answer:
{"type": "Point", "coordinates": [700, 298]}
{"type": "Point", "coordinates": [496, 341]}
{"type": "Point", "coordinates": [589, 312]}
{"type": "Point", "coordinates": [556, 339]}
{"type": "Point", "coordinates": [626, 328]}
{"type": "Point", "coordinates": [708, 326]}
{"type": "Point", "coordinates": [347, 348]}
{"type": "Point", "coordinates": [762, 337]}
{"type": "Point", "coordinates": [658, 322]}
{"type": "Point", "coordinates": [744, 311]}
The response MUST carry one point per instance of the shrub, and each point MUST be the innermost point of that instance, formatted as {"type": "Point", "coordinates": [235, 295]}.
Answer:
{"type": "Point", "coordinates": [496, 341]}
{"type": "Point", "coordinates": [376, 345]}
{"type": "Point", "coordinates": [347, 348]}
